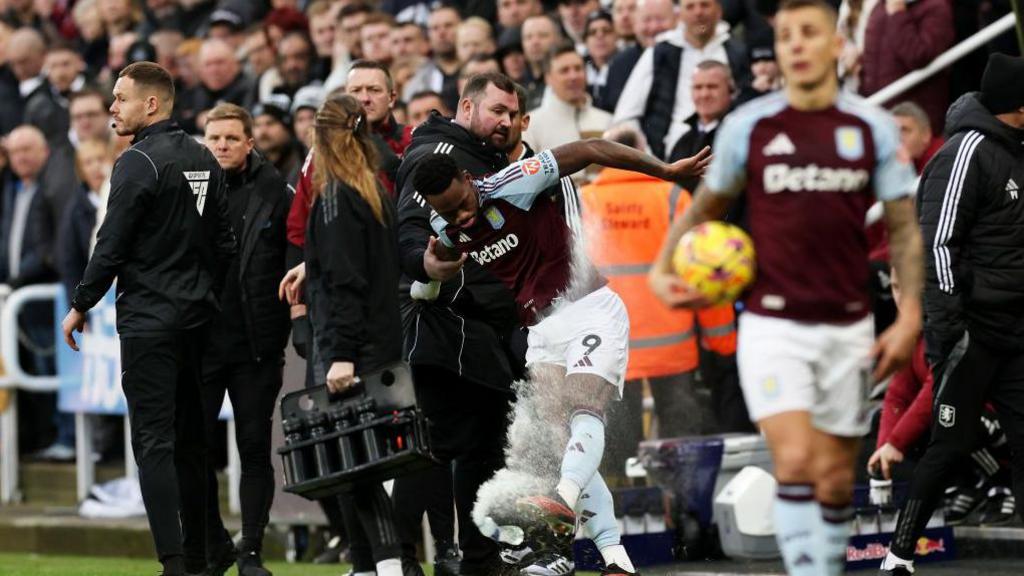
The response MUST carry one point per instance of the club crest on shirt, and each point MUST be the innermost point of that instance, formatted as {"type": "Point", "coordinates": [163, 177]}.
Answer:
{"type": "Point", "coordinates": [494, 217]}
{"type": "Point", "coordinates": [849, 143]}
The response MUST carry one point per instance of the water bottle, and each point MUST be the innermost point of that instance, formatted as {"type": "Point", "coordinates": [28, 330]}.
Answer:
{"type": "Point", "coordinates": [371, 443]}
{"type": "Point", "coordinates": [295, 461]}
{"type": "Point", "coordinates": [341, 418]}
{"type": "Point", "coordinates": [326, 460]}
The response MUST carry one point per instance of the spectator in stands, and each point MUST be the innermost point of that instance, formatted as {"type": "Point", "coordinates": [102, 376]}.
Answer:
{"type": "Point", "coordinates": [294, 61]}
{"type": "Point", "coordinates": [307, 100]}
{"type": "Point", "coordinates": [711, 89]}
{"type": "Point", "coordinates": [245, 352]}
{"type": "Point", "coordinates": [23, 14]}
{"type": "Point", "coordinates": [64, 69]}
{"type": "Point", "coordinates": [540, 35]}
{"type": "Point", "coordinates": [474, 37]}
{"type": "Point", "coordinates": [38, 105]}
{"type": "Point", "coordinates": [442, 28]}
{"type": "Point", "coordinates": [370, 83]}
{"type": "Point", "coordinates": [573, 17]}
{"type": "Point", "coordinates": [374, 36]}
{"type": "Point", "coordinates": [90, 119]}
{"type": "Point", "coordinates": [623, 17]}
{"type": "Point", "coordinates": [165, 43]}
{"type": "Point", "coordinates": [92, 40]}
{"type": "Point", "coordinates": [119, 16]}
{"type": "Point", "coordinates": [348, 44]}
{"type": "Point", "coordinates": [663, 345]}
{"type": "Point", "coordinates": [901, 37]}
{"type": "Point", "coordinates": [77, 233]}
{"type": "Point", "coordinates": [408, 39]}
{"type": "Point", "coordinates": [421, 104]}
{"type": "Point", "coordinates": [765, 74]}
{"type": "Point", "coordinates": [512, 13]}
{"type": "Point", "coordinates": [661, 102]}
{"type": "Point", "coordinates": [220, 80]}
{"type": "Point", "coordinates": [510, 56]}
{"type": "Point", "coordinates": [272, 131]}
{"type": "Point", "coordinates": [227, 26]}
{"type": "Point", "coordinates": [916, 134]}
{"type": "Point", "coordinates": [652, 18]}
{"type": "Point", "coordinates": [256, 53]}
{"type": "Point", "coordinates": [323, 18]}
{"type": "Point", "coordinates": [567, 113]}
{"type": "Point", "coordinates": [602, 44]}
{"type": "Point", "coordinates": [852, 24]}
{"type": "Point", "coordinates": [479, 64]}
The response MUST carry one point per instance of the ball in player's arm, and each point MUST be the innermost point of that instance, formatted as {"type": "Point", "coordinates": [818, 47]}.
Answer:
{"type": "Point", "coordinates": [805, 341]}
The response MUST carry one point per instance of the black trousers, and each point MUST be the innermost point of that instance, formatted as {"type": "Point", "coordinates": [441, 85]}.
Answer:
{"type": "Point", "coordinates": [970, 376]}
{"type": "Point", "coordinates": [161, 381]}
{"type": "Point", "coordinates": [468, 425]}
{"type": "Point", "coordinates": [253, 388]}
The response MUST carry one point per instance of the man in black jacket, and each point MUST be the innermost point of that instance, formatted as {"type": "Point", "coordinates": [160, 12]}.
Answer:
{"type": "Point", "coordinates": [245, 356]}
{"type": "Point", "coordinates": [458, 343]}
{"type": "Point", "coordinates": [168, 241]}
{"type": "Point", "coordinates": [973, 220]}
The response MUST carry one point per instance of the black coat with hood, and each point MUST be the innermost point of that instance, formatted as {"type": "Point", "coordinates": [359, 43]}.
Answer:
{"type": "Point", "coordinates": [972, 219]}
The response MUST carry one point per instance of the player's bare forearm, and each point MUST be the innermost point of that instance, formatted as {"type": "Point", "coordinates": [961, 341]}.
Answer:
{"type": "Point", "coordinates": [576, 156]}
{"type": "Point", "coordinates": [706, 206]}
{"type": "Point", "coordinates": [906, 248]}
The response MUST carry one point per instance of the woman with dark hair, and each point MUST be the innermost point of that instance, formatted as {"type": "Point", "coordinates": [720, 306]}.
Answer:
{"type": "Point", "coordinates": [352, 268]}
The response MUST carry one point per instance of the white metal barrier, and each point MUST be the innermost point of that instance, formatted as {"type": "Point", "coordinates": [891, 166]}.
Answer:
{"type": "Point", "coordinates": [944, 60]}
{"type": "Point", "coordinates": [16, 378]}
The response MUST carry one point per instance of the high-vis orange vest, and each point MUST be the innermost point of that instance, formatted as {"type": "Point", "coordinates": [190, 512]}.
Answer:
{"type": "Point", "coordinates": [626, 215]}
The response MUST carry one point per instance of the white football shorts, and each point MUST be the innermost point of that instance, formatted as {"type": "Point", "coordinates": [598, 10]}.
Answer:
{"type": "Point", "coordinates": [588, 336]}
{"type": "Point", "coordinates": [824, 369]}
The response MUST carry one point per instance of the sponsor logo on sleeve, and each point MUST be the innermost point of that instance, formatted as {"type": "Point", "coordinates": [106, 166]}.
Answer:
{"type": "Point", "coordinates": [199, 181]}
{"type": "Point", "coordinates": [531, 166]}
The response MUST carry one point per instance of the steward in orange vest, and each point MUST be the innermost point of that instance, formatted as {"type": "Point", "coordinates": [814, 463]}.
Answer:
{"type": "Point", "coordinates": [625, 216]}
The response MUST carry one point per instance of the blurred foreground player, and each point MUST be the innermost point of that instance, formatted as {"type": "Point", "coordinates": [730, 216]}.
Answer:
{"type": "Point", "coordinates": [973, 222]}
{"type": "Point", "coordinates": [811, 161]}
{"type": "Point", "coordinates": [579, 329]}
{"type": "Point", "coordinates": [167, 239]}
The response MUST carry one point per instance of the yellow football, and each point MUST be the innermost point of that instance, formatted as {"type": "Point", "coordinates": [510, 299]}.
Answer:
{"type": "Point", "coordinates": [717, 260]}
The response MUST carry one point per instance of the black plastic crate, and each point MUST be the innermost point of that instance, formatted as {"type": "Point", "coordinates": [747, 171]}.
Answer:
{"type": "Point", "coordinates": [370, 434]}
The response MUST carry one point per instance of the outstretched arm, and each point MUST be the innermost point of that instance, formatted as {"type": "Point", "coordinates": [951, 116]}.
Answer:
{"type": "Point", "coordinates": [576, 156]}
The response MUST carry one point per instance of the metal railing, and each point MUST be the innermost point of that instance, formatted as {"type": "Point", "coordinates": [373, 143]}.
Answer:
{"type": "Point", "coordinates": [15, 378]}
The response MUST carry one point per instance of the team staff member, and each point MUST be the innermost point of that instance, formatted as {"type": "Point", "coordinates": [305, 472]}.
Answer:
{"type": "Point", "coordinates": [167, 239]}
{"type": "Point", "coordinates": [973, 222]}
{"type": "Point", "coordinates": [245, 355]}
{"type": "Point", "coordinates": [458, 343]}
{"type": "Point", "coordinates": [352, 256]}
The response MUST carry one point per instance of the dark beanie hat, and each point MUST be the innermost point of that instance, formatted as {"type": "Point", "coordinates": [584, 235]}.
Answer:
{"type": "Point", "coordinates": [1002, 87]}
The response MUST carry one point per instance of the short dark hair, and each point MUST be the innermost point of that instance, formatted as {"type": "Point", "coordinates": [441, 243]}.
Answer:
{"type": "Point", "coordinates": [828, 9]}
{"type": "Point", "coordinates": [229, 111]}
{"type": "Point", "coordinates": [364, 64]}
{"type": "Point", "coordinates": [435, 174]}
{"type": "Point", "coordinates": [152, 76]}
{"type": "Point", "coordinates": [425, 94]}
{"type": "Point", "coordinates": [477, 85]}
{"type": "Point", "coordinates": [556, 51]}
{"type": "Point", "coordinates": [88, 92]}
{"type": "Point", "coordinates": [353, 9]}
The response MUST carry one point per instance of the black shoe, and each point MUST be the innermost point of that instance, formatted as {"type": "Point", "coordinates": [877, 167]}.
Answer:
{"type": "Point", "coordinates": [222, 559]}
{"type": "Point", "coordinates": [332, 552]}
{"type": "Point", "coordinates": [897, 571]}
{"type": "Point", "coordinates": [550, 564]}
{"type": "Point", "coordinates": [614, 570]}
{"type": "Point", "coordinates": [250, 564]}
{"type": "Point", "coordinates": [446, 562]}
{"type": "Point", "coordinates": [411, 568]}
{"type": "Point", "coordinates": [962, 504]}
{"type": "Point", "coordinates": [1000, 509]}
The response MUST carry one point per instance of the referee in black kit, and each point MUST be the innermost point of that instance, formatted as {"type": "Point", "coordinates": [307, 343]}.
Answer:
{"type": "Point", "coordinates": [168, 241]}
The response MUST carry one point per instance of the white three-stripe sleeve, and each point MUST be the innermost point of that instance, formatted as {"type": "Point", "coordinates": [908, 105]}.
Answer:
{"type": "Point", "coordinates": [950, 216]}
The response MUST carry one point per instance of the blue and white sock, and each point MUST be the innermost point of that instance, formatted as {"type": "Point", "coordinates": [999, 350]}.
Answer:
{"type": "Point", "coordinates": [596, 514]}
{"type": "Point", "coordinates": [835, 535]}
{"type": "Point", "coordinates": [797, 523]}
{"type": "Point", "coordinates": [582, 455]}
